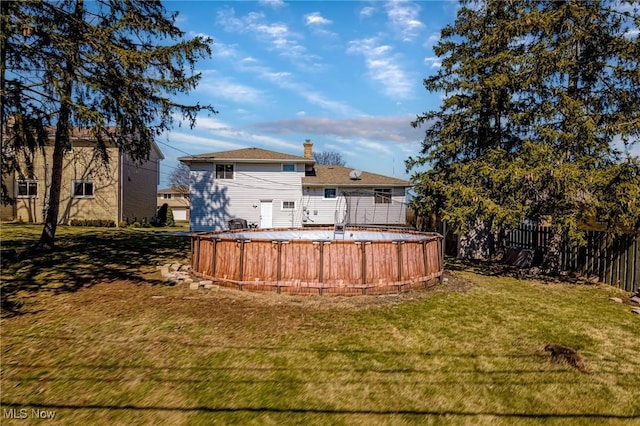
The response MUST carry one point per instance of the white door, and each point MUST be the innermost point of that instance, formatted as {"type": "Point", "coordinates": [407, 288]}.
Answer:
{"type": "Point", "coordinates": [266, 214]}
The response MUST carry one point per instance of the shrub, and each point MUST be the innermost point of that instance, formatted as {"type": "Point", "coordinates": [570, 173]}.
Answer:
{"type": "Point", "coordinates": [103, 223]}
{"type": "Point", "coordinates": [162, 214]}
{"type": "Point", "coordinates": [165, 216]}
{"type": "Point", "coordinates": [169, 221]}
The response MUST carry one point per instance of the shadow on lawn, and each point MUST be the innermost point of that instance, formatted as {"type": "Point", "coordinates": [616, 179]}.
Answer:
{"type": "Point", "coordinates": [327, 411]}
{"type": "Point", "coordinates": [495, 268]}
{"type": "Point", "coordinates": [84, 260]}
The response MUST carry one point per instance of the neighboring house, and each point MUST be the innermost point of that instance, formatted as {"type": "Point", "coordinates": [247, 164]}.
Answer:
{"type": "Point", "coordinates": [119, 191]}
{"type": "Point", "coordinates": [177, 199]}
{"type": "Point", "coordinates": [274, 190]}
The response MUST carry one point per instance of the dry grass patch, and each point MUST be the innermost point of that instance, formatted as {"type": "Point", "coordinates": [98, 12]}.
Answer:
{"type": "Point", "coordinates": [134, 351]}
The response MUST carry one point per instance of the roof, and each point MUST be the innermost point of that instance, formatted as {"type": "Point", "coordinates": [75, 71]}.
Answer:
{"type": "Point", "coordinates": [84, 134]}
{"type": "Point", "coordinates": [173, 190]}
{"type": "Point", "coordinates": [252, 155]}
{"type": "Point", "coordinates": [340, 176]}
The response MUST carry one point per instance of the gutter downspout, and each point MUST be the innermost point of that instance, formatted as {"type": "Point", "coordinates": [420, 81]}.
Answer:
{"type": "Point", "coordinates": [120, 195]}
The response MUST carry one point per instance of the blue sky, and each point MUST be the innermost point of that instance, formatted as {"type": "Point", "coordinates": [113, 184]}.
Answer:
{"type": "Point", "coordinates": [345, 74]}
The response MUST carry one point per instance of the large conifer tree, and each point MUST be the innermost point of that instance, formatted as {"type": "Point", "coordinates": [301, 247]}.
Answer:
{"type": "Point", "coordinates": [537, 95]}
{"type": "Point", "coordinates": [110, 66]}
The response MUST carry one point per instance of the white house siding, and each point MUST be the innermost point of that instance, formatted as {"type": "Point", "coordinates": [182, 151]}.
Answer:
{"type": "Point", "coordinates": [206, 210]}
{"type": "Point", "coordinates": [215, 202]}
{"type": "Point", "coordinates": [362, 208]}
{"type": "Point", "coordinates": [321, 211]}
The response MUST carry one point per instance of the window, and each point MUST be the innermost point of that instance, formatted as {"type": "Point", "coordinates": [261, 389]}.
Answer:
{"type": "Point", "coordinates": [27, 188]}
{"type": "Point", "coordinates": [82, 189]}
{"type": "Point", "coordinates": [382, 196]}
{"type": "Point", "coordinates": [224, 171]}
{"type": "Point", "coordinates": [288, 167]}
{"type": "Point", "coordinates": [330, 193]}
{"type": "Point", "coordinates": [166, 196]}
{"type": "Point", "coordinates": [288, 205]}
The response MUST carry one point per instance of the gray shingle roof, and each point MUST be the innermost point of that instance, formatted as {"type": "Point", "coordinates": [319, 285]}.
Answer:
{"type": "Point", "coordinates": [250, 154]}
{"type": "Point", "coordinates": [340, 176]}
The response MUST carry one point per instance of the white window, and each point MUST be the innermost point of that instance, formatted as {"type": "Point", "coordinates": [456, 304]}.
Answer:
{"type": "Point", "coordinates": [27, 188]}
{"type": "Point", "coordinates": [288, 167]}
{"type": "Point", "coordinates": [166, 196]}
{"type": "Point", "coordinates": [82, 189]}
{"type": "Point", "coordinates": [382, 196]}
{"type": "Point", "coordinates": [330, 193]}
{"type": "Point", "coordinates": [224, 171]}
{"type": "Point", "coordinates": [288, 205]}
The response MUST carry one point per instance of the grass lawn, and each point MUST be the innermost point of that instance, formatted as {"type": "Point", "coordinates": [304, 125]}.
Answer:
{"type": "Point", "coordinates": [91, 333]}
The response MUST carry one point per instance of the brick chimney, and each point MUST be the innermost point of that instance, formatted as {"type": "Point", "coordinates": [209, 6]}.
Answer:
{"type": "Point", "coordinates": [308, 149]}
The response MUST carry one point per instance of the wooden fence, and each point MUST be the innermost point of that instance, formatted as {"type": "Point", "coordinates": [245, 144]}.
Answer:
{"type": "Point", "coordinates": [613, 259]}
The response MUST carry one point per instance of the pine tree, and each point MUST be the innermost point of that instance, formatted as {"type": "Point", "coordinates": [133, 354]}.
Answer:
{"type": "Point", "coordinates": [536, 94]}
{"type": "Point", "coordinates": [170, 221]}
{"type": "Point", "coordinates": [111, 67]}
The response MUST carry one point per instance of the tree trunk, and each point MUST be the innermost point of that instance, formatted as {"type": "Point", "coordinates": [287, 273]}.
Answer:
{"type": "Point", "coordinates": [63, 130]}
{"type": "Point", "coordinates": [551, 261]}
{"type": "Point", "coordinates": [47, 237]}
{"type": "Point", "coordinates": [478, 243]}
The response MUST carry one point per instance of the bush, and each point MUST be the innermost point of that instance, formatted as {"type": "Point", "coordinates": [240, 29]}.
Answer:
{"type": "Point", "coordinates": [170, 221]}
{"type": "Point", "coordinates": [165, 216]}
{"type": "Point", "coordinates": [103, 223]}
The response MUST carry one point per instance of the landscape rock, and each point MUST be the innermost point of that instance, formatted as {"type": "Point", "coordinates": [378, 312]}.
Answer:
{"type": "Point", "coordinates": [635, 311]}
{"type": "Point", "coordinates": [194, 286]}
{"type": "Point", "coordinates": [635, 299]}
{"type": "Point", "coordinates": [615, 299]}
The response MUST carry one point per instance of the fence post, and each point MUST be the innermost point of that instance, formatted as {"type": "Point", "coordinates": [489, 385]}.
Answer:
{"type": "Point", "coordinates": [635, 285]}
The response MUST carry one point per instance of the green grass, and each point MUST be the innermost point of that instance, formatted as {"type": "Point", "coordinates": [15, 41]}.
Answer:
{"type": "Point", "coordinates": [111, 344]}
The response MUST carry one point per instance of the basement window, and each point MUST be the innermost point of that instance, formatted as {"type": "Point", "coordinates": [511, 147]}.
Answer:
{"type": "Point", "coordinates": [27, 188]}
{"type": "Point", "coordinates": [82, 189]}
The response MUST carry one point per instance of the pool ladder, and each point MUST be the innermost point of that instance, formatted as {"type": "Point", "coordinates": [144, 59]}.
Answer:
{"type": "Point", "coordinates": [338, 229]}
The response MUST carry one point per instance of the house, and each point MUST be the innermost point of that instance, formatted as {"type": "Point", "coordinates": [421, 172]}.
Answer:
{"type": "Point", "coordinates": [177, 199]}
{"type": "Point", "coordinates": [118, 191]}
{"type": "Point", "coordinates": [270, 189]}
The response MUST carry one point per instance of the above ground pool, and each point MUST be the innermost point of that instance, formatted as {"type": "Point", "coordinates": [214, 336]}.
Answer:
{"type": "Point", "coordinates": [319, 261]}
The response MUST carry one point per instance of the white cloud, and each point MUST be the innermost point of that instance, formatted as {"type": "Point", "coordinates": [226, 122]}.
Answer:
{"type": "Point", "coordinates": [276, 4]}
{"type": "Point", "coordinates": [317, 24]}
{"type": "Point", "coordinates": [286, 80]}
{"type": "Point", "coordinates": [211, 134]}
{"type": "Point", "coordinates": [632, 33]}
{"type": "Point", "coordinates": [367, 11]}
{"type": "Point", "coordinates": [433, 61]}
{"type": "Point", "coordinates": [384, 68]}
{"type": "Point", "coordinates": [226, 88]}
{"type": "Point", "coordinates": [277, 35]}
{"type": "Point", "coordinates": [432, 40]}
{"type": "Point", "coordinates": [395, 129]}
{"type": "Point", "coordinates": [403, 18]}
{"type": "Point", "coordinates": [315, 19]}
{"type": "Point", "coordinates": [221, 50]}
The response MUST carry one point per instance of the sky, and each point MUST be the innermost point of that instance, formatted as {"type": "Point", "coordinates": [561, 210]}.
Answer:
{"type": "Point", "coordinates": [348, 75]}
